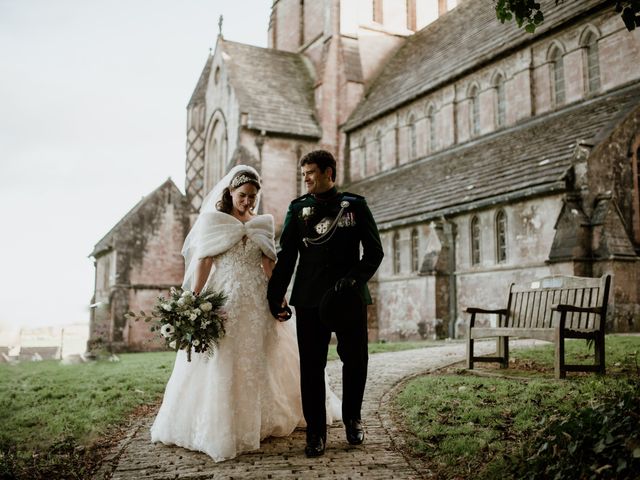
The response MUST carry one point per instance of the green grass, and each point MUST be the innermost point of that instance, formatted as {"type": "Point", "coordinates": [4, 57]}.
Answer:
{"type": "Point", "coordinates": [43, 403]}
{"type": "Point", "coordinates": [473, 427]}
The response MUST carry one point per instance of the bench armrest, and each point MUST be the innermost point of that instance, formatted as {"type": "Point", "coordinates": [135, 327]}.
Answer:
{"type": "Point", "coordinates": [501, 311]}
{"type": "Point", "coordinates": [561, 307]}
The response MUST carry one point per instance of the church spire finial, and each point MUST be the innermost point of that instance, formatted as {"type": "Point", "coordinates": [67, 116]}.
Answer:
{"type": "Point", "coordinates": [220, 25]}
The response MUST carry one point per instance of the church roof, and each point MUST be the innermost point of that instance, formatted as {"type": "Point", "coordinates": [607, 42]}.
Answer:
{"type": "Point", "coordinates": [455, 44]}
{"type": "Point", "coordinates": [274, 88]}
{"type": "Point", "coordinates": [200, 91]}
{"type": "Point", "coordinates": [108, 241]}
{"type": "Point", "coordinates": [518, 162]}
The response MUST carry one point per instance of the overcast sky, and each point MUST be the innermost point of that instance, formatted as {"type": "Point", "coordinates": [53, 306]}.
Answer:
{"type": "Point", "coordinates": [93, 97]}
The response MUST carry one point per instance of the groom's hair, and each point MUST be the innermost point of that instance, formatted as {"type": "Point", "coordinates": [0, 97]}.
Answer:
{"type": "Point", "coordinates": [322, 159]}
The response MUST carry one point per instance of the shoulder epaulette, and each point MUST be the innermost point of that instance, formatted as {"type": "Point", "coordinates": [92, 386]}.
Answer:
{"type": "Point", "coordinates": [301, 198]}
{"type": "Point", "coordinates": [354, 196]}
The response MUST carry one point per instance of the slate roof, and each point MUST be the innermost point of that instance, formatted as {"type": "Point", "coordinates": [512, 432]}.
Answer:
{"type": "Point", "coordinates": [458, 42]}
{"type": "Point", "coordinates": [522, 161]}
{"type": "Point", "coordinates": [107, 242]}
{"type": "Point", "coordinates": [274, 87]}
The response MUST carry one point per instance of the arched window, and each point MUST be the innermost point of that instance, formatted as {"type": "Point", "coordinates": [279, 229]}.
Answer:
{"type": "Point", "coordinates": [396, 253]}
{"type": "Point", "coordinates": [301, 25]}
{"type": "Point", "coordinates": [635, 158]}
{"type": "Point", "coordinates": [431, 125]}
{"type": "Point", "coordinates": [412, 138]}
{"type": "Point", "coordinates": [475, 241]}
{"type": "Point", "coordinates": [500, 100]}
{"type": "Point", "coordinates": [415, 253]}
{"type": "Point", "coordinates": [474, 111]}
{"type": "Point", "coordinates": [379, 150]}
{"type": "Point", "coordinates": [591, 62]}
{"type": "Point", "coordinates": [556, 75]}
{"type": "Point", "coordinates": [363, 158]}
{"type": "Point", "coordinates": [501, 236]}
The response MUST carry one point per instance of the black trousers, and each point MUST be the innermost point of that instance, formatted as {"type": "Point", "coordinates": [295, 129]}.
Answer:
{"type": "Point", "coordinates": [313, 345]}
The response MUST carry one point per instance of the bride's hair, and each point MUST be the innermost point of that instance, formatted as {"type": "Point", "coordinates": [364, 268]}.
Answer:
{"type": "Point", "coordinates": [225, 204]}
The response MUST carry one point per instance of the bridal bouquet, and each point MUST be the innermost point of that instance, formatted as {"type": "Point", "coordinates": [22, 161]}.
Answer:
{"type": "Point", "coordinates": [187, 321]}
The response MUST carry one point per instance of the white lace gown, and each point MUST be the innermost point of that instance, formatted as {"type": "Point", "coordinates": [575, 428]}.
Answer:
{"type": "Point", "coordinates": [250, 388]}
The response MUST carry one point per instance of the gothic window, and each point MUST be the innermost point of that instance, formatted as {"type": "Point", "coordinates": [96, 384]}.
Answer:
{"type": "Point", "coordinates": [413, 138]}
{"type": "Point", "coordinates": [500, 100]}
{"type": "Point", "coordinates": [299, 179]}
{"type": "Point", "coordinates": [474, 110]}
{"type": "Point", "coordinates": [431, 125]}
{"type": "Point", "coordinates": [363, 158]}
{"type": "Point", "coordinates": [411, 15]}
{"type": "Point", "coordinates": [379, 150]}
{"type": "Point", "coordinates": [475, 241]}
{"type": "Point", "coordinates": [301, 25]}
{"type": "Point", "coordinates": [377, 11]}
{"type": "Point", "coordinates": [215, 154]}
{"type": "Point", "coordinates": [501, 236]}
{"type": "Point", "coordinates": [396, 253]}
{"type": "Point", "coordinates": [105, 273]}
{"type": "Point", "coordinates": [591, 62]}
{"type": "Point", "coordinates": [415, 258]}
{"type": "Point", "coordinates": [556, 75]}
{"type": "Point", "coordinates": [636, 188]}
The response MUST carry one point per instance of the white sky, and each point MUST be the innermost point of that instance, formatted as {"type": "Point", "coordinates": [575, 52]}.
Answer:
{"type": "Point", "coordinates": [93, 97]}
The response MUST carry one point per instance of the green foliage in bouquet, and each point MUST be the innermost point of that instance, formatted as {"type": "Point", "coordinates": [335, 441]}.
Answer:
{"type": "Point", "coordinates": [187, 321]}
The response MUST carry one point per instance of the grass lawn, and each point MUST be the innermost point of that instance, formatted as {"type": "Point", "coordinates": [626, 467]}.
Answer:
{"type": "Point", "coordinates": [47, 406]}
{"type": "Point", "coordinates": [469, 426]}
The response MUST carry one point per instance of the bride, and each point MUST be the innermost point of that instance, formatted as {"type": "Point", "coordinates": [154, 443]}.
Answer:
{"type": "Point", "coordinates": [250, 388]}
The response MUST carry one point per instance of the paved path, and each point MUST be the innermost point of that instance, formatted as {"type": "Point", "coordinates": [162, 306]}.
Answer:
{"type": "Point", "coordinates": [283, 458]}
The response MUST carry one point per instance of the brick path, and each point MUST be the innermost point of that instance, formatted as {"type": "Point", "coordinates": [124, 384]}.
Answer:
{"type": "Point", "coordinates": [283, 458]}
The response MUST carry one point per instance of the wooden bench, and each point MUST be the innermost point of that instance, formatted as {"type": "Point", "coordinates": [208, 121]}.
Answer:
{"type": "Point", "coordinates": [551, 308]}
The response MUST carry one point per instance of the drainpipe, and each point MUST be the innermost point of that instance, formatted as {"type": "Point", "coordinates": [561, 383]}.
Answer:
{"type": "Point", "coordinates": [449, 229]}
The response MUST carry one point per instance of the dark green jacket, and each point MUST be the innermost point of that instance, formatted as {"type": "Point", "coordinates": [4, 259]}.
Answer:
{"type": "Point", "coordinates": [321, 266]}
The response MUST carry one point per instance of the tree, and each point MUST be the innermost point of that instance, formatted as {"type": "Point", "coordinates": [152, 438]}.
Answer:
{"type": "Point", "coordinates": [529, 13]}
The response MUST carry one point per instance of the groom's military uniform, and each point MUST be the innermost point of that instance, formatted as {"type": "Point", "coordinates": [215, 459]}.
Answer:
{"type": "Point", "coordinates": [326, 232]}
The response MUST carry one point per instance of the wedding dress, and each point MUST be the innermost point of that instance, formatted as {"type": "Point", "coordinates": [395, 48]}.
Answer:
{"type": "Point", "coordinates": [250, 388]}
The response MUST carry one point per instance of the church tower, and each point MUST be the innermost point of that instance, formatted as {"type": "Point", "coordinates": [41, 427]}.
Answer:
{"type": "Point", "coordinates": [346, 42]}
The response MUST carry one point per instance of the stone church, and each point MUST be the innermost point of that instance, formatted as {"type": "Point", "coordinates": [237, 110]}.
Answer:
{"type": "Point", "coordinates": [488, 155]}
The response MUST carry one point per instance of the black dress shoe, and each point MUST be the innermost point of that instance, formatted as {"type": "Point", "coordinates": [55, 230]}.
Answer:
{"type": "Point", "coordinates": [315, 445]}
{"type": "Point", "coordinates": [355, 432]}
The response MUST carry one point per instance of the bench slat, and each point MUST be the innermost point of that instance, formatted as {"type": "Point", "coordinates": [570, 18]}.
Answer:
{"type": "Point", "coordinates": [529, 313]}
{"type": "Point", "coordinates": [488, 332]}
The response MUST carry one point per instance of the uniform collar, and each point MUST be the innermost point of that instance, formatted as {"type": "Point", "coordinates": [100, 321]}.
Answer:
{"type": "Point", "coordinates": [328, 195]}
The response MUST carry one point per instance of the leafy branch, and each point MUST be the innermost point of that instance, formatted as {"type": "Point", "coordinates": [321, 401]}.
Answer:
{"type": "Point", "coordinates": [529, 12]}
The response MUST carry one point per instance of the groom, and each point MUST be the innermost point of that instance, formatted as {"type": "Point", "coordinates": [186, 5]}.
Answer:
{"type": "Point", "coordinates": [326, 228]}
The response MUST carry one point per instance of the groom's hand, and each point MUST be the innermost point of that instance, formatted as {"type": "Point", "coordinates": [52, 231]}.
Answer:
{"type": "Point", "coordinates": [280, 310]}
{"type": "Point", "coordinates": [345, 284]}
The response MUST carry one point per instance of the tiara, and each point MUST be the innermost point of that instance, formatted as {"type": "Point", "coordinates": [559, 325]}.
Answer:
{"type": "Point", "coordinates": [242, 179]}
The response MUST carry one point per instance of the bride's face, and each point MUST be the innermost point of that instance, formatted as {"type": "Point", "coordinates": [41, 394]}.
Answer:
{"type": "Point", "coordinates": [244, 198]}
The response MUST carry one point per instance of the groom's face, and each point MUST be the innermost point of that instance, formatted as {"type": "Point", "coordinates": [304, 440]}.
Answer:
{"type": "Point", "coordinates": [315, 180]}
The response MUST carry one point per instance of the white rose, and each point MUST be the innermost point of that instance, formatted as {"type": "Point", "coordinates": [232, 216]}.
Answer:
{"type": "Point", "coordinates": [195, 343]}
{"type": "Point", "coordinates": [306, 212]}
{"type": "Point", "coordinates": [206, 307]}
{"type": "Point", "coordinates": [181, 302]}
{"type": "Point", "coordinates": [193, 316]}
{"type": "Point", "coordinates": [172, 344]}
{"type": "Point", "coordinates": [166, 307]}
{"type": "Point", "coordinates": [167, 330]}
{"type": "Point", "coordinates": [197, 311]}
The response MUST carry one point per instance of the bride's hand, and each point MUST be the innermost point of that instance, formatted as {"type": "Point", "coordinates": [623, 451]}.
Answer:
{"type": "Point", "coordinates": [286, 313]}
